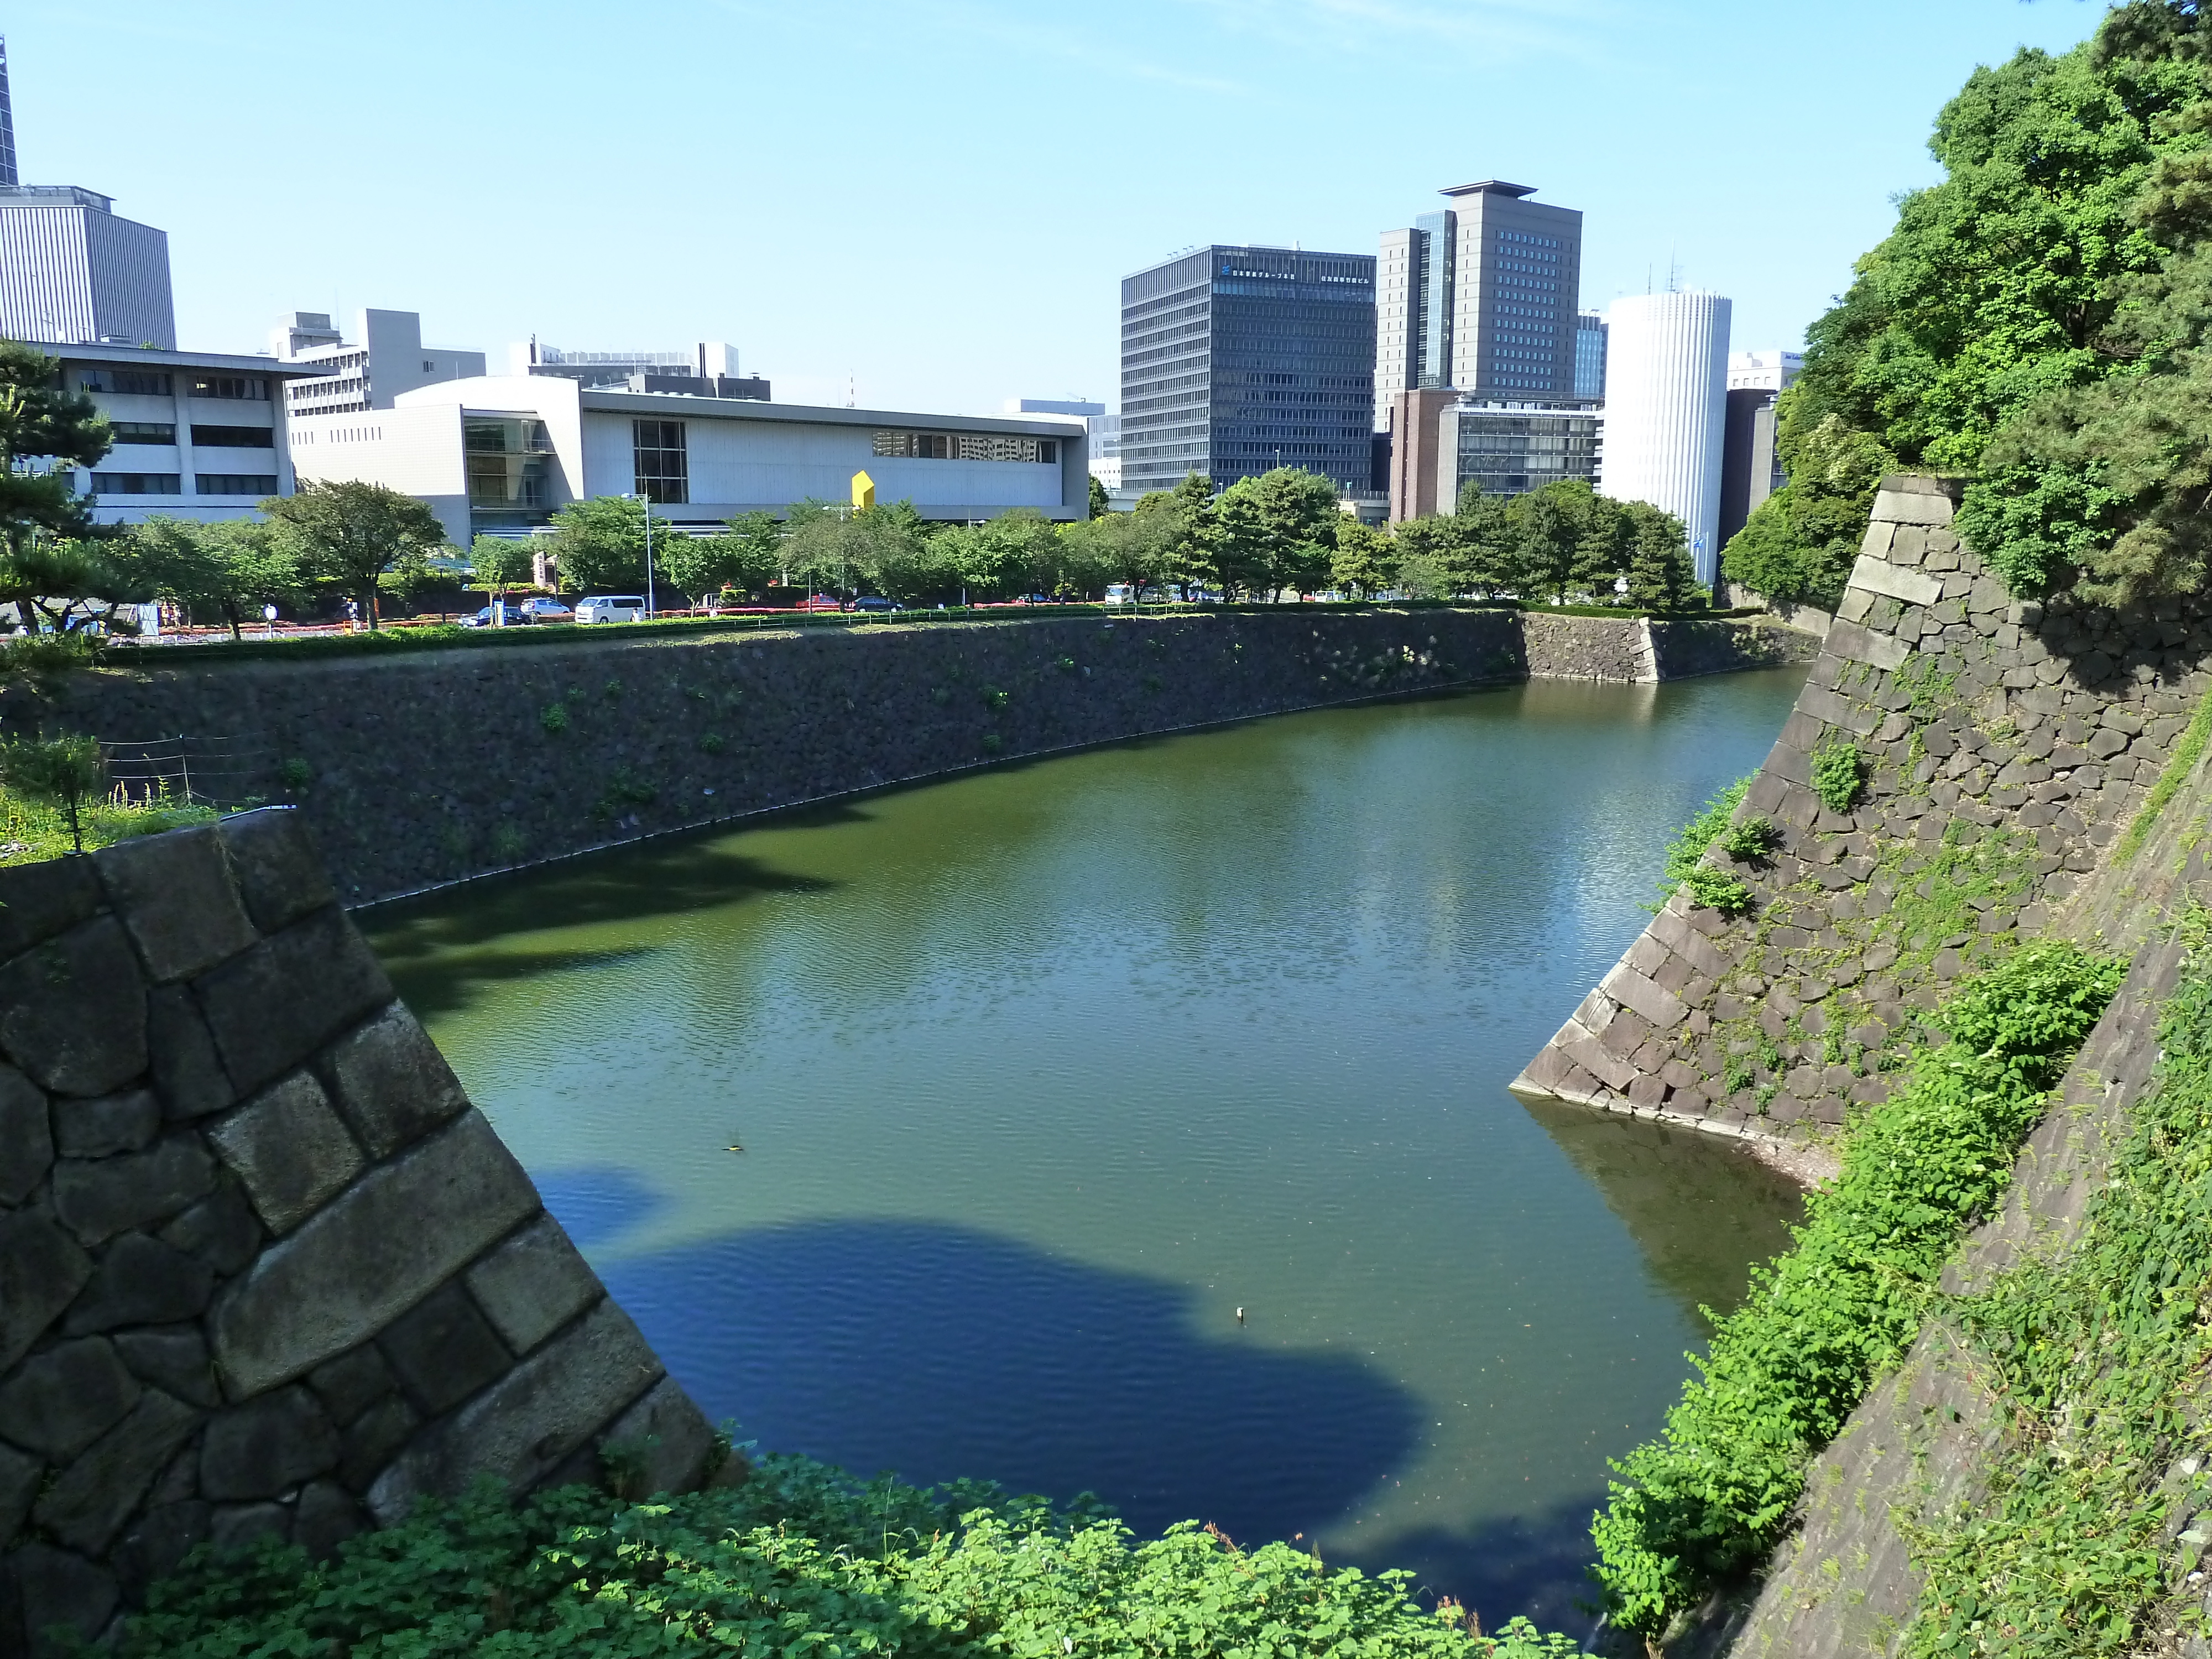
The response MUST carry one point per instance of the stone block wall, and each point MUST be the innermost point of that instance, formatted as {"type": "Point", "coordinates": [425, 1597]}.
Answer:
{"type": "Point", "coordinates": [2004, 745]}
{"type": "Point", "coordinates": [263, 1270]}
{"type": "Point", "coordinates": [437, 766]}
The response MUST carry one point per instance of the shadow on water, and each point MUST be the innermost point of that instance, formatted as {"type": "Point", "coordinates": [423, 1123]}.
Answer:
{"type": "Point", "coordinates": [599, 1206]}
{"type": "Point", "coordinates": [940, 1351]}
{"type": "Point", "coordinates": [1536, 1566]}
{"type": "Point", "coordinates": [1699, 1208]}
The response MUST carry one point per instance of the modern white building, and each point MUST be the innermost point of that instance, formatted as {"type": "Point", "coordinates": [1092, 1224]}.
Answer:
{"type": "Point", "coordinates": [1103, 430]}
{"type": "Point", "coordinates": [386, 357]}
{"type": "Point", "coordinates": [1666, 402]}
{"type": "Point", "coordinates": [501, 454]}
{"type": "Point", "coordinates": [198, 436]}
{"type": "Point", "coordinates": [70, 270]}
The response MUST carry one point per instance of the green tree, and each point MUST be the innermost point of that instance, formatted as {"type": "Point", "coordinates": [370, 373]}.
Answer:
{"type": "Point", "coordinates": [1136, 548]}
{"type": "Point", "coordinates": [62, 584]}
{"type": "Point", "coordinates": [601, 544]}
{"type": "Point", "coordinates": [1660, 574]}
{"type": "Point", "coordinates": [62, 772]}
{"type": "Point", "coordinates": [1277, 531]}
{"type": "Point", "coordinates": [1365, 561]}
{"type": "Point", "coordinates": [1192, 554]}
{"type": "Point", "coordinates": [1432, 562]}
{"type": "Point", "coordinates": [848, 551]}
{"type": "Point", "coordinates": [1548, 533]}
{"type": "Point", "coordinates": [501, 563]}
{"type": "Point", "coordinates": [43, 431]}
{"type": "Point", "coordinates": [1487, 541]}
{"type": "Point", "coordinates": [1100, 506]}
{"type": "Point", "coordinates": [743, 559]}
{"type": "Point", "coordinates": [356, 535]}
{"type": "Point", "coordinates": [232, 568]}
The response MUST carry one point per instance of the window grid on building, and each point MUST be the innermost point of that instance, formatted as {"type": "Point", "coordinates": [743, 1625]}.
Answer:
{"type": "Point", "coordinates": [662, 467]}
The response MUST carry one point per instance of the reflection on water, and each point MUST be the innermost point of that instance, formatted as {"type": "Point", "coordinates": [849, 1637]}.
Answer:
{"type": "Point", "coordinates": [1041, 1074]}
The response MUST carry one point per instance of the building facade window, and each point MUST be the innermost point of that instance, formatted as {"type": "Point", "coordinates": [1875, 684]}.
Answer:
{"type": "Point", "coordinates": [256, 484]}
{"type": "Point", "coordinates": [232, 437]}
{"type": "Point", "coordinates": [661, 468]}
{"type": "Point", "coordinates": [966, 447]}
{"type": "Point", "coordinates": [250, 388]}
{"type": "Point", "coordinates": [144, 431]}
{"type": "Point", "coordinates": [124, 382]}
{"type": "Point", "coordinates": [137, 484]}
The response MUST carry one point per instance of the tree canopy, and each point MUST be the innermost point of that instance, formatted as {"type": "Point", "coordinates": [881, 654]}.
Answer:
{"type": "Point", "coordinates": [354, 536]}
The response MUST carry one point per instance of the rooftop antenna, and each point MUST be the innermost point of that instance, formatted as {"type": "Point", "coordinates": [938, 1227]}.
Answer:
{"type": "Point", "coordinates": [8, 176]}
{"type": "Point", "coordinates": [1673, 273]}
{"type": "Point", "coordinates": [849, 393]}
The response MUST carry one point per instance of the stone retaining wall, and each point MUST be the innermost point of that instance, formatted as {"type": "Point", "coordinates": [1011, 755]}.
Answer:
{"type": "Point", "coordinates": [2005, 742]}
{"type": "Point", "coordinates": [263, 1270]}
{"type": "Point", "coordinates": [432, 768]}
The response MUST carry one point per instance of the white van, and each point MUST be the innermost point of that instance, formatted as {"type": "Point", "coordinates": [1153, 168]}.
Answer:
{"type": "Point", "coordinates": [612, 607]}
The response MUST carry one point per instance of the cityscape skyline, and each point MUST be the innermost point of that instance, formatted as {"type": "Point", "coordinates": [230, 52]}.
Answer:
{"type": "Point", "coordinates": [1004, 286]}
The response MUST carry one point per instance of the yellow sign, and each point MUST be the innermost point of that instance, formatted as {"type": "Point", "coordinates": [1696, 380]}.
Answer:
{"type": "Point", "coordinates": [864, 491]}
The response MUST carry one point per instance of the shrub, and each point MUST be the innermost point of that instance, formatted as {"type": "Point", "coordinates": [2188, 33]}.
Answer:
{"type": "Point", "coordinates": [799, 1559]}
{"type": "Point", "coordinates": [554, 717]}
{"type": "Point", "coordinates": [1705, 1502]}
{"type": "Point", "coordinates": [1716, 890]}
{"type": "Point", "coordinates": [1750, 841]}
{"type": "Point", "coordinates": [1839, 770]}
{"type": "Point", "coordinates": [1688, 844]}
{"type": "Point", "coordinates": [59, 772]}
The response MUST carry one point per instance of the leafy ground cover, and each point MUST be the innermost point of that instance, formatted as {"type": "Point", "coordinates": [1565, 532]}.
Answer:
{"type": "Point", "coordinates": [2099, 1496]}
{"type": "Point", "coordinates": [31, 830]}
{"type": "Point", "coordinates": [1702, 1505]}
{"type": "Point", "coordinates": [799, 1560]}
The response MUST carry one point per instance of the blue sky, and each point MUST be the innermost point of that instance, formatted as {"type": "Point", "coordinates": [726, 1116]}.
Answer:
{"type": "Point", "coordinates": [933, 201]}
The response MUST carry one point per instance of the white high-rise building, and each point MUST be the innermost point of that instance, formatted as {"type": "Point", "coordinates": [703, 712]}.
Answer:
{"type": "Point", "coordinates": [1666, 411]}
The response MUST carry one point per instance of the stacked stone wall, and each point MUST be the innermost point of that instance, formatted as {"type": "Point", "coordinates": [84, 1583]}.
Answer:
{"type": "Point", "coordinates": [2005, 745]}
{"type": "Point", "coordinates": [264, 1269]}
{"type": "Point", "coordinates": [433, 767]}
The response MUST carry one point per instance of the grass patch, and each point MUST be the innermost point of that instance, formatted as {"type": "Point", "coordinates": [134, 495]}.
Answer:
{"type": "Point", "coordinates": [2186, 753]}
{"type": "Point", "coordinates": [31, 831]}
{"type": "Point", "coordinates": [1704, 1503]}
{"type": "Point", "coordinates": [799, 1560]}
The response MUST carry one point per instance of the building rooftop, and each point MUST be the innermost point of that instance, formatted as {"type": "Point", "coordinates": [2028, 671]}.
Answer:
{"type": "Point", "coordinates": [54, 196]}
{"type": "Point", "coordinates": [1490, 187]}
{"type": "Point", "coordinates": [147, 356]}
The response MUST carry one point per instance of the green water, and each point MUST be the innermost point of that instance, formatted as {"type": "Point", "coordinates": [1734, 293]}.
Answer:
{"type": "Point", "coordinates": [1041, 1074]}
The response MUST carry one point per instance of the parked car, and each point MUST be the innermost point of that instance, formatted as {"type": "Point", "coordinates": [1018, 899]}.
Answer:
{"type": "Point", "coordinates": [875, 602]}
{"type": "Point", "coordinates": [612, 607]}
{"type": "Point", "coordinates": [820, 602]}
{"type": "Point", "coordinates": [1119, 593]}
{"type": "Point", "coordinates": [542, 610]}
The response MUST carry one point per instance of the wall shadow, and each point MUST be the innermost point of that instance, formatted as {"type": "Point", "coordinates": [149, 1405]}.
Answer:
{"type": "Point", "coordinates": [599, 1206]}
{"type": "Point", "coordinates": [1703, 1211]}
{"type": "Point", "coordinates": [1533, 1565]}
{"type": "Point", "coordinates": [938, 1351]}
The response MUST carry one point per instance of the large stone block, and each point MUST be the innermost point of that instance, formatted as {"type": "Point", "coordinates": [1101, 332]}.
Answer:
{"type": "Point", "coordinates": [174, 893]}
{"type": "Point", "coordinates": [56, 1590]}
{"type": "Point", "coordinates": [38, 901]}
{"type": "Point", "coordinates": [99, 1198]}
{"type": "Point", "coordinates": [1857, 644]}
{"type": "Point", "coordinates": [533, 1283]}
{"type": "Point", "coordinates": [277, 868]}
{"type": "Point", "coordinates": [41, 1271]}
{"type": "Point", "coordinates": [375, 1251]}
{"type": "Point", "coordinates": [351, 1383]}
{"type": "Point", "coordinates": [266, 1447]}
{"type": "Point", "coordinates": [73, 1011]}
{"type": "Point", "coordinates": [660, 1444]}
{"type": "Point", "coordinates": [19, 1485]}
{"type": "Point", "coordinates": [443, 1349]}
{"type": "Point", "coordinates": [289, 1149]}
{"type": "Point", "coordinates": [27, 1142]}
{"type": "Point", "coordinates": [1655, 1003]}
{"type": "Point", "coordinates": [174, 1359]}
{"type": "Point", "coordinates": [1879, 576]}
{"type": "Point", "coordinates": [272, 1007]}
{"type": "Point", "coordinates": [187, 1071]}
{"type": "Point", "coordinates": [122, 1123]}
{"type": "Point", "coordinates": [526, 1425]}
{"type": "Point", "coordinates": [66, 1398]}
{"type": "Point", "coordinates": [392, 1083]}
{"type": "Point", "coordinates": [86, 1507]}
{"type": "Point", "coordinates": [220, 1230]}
{"type": "Point", "coordinates": [142, 1281]}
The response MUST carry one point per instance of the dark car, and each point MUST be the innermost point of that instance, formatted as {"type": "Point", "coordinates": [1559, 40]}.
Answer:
{"type": "Point", "coordinates": [541, 610]}
{"type": "Point", "coordinates": [873, 602]}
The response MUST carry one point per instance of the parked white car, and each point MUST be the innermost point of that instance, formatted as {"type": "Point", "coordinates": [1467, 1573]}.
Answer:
{"type": "Point", "coordinates": [612, 607]}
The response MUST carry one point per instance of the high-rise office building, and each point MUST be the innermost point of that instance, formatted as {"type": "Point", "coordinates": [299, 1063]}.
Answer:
{"type": "Point", "coordinates": [1666, 398]}
{"type": "Point", "coordinates": [1481, 296]}
{"type": "Point", "coordinates": [1590, 356]}
{"type": "Point", "coordinates": [1238, 360]}
{"type": "Point", "coordinates": [1750, 470]}
{"type": "Point", "coordinates": [71, 272]}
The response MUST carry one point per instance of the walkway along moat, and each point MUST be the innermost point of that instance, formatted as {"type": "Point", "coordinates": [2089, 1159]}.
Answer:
{"type": "Point", "coordinates": [1040, 1073]}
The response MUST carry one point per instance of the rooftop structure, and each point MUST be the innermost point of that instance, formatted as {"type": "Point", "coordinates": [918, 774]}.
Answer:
{"type": "Point", "coordinates": [386, 357]}
{"type": "Point", "coordinates": [709, 369]}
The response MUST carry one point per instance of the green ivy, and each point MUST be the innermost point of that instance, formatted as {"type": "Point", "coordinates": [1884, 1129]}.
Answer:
{"type": "Point", "coordinates": [554, 717]}
{"type": "Point", "coordinates": [1716, 890]}
{"type": "Point", "coordinates": [1839, 770]}
{"type": "Point", "coordinates": [1688, 845]}
{"type": "Point", "coordinates": [799, 1560]}
{"type": "Point", "coordinates": [1701, 1506]}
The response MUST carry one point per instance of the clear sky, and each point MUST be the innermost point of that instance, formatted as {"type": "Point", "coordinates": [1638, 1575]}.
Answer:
{"type": "Point", "coordinates": [932, 201]}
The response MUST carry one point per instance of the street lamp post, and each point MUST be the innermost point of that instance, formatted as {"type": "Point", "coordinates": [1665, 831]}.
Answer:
{"type": "Point", "coordinates": [646, 501]}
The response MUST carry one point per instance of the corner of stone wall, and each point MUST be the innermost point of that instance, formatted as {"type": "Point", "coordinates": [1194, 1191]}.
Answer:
{"type": "Point", "coordinates": [2005, 744]}
{"type": "Point", "coordinates": [264, 1269]}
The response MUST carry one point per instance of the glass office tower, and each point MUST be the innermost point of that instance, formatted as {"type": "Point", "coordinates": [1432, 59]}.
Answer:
{"type": "Point", "coordinates": [1238, 360]}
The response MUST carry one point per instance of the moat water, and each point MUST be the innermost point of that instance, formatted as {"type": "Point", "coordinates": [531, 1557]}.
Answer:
{"type": "Point", "coordinates": [1136, 1121]}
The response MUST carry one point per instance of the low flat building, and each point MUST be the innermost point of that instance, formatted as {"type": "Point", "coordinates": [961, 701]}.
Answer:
{"type": "Point", "coordinates": [198, 436]}
{"type": "Point", "coordinates": [1511, 448]}
{"type": "Point", "coordinates": [501, 454]}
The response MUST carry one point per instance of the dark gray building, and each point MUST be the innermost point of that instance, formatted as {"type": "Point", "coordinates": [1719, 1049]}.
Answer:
{"type": "Point", "coordinates": [1238, 360]}
{"type": "Point", "coordinates": [1750, 470]}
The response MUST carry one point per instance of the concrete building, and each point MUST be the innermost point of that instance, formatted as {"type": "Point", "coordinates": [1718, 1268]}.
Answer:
{"type": "Point", "coordinates": [1481, 296]}
{"type": "Point", "coordinates": [1510, 448]}
{"type": "Point", "coordinates": [1237, 360]}
{"type": "Point", "coordinates": [709, 369]}
{"type": "Point", "coordinates": [70, 270]}
{"type": "Point", "coordinates": [1750, 470]}
{"type": "Point", "coordinates": [386, 357]}
{"type": "Point", "coordinates": [1419, 480]}
{"type": "Point", "coordinates": [1666, 399]}
{"type": "Point", "coordinates": [197, 435]}
{"type": "Point", "coordinates": [501, 454]}
{"type": "Point", "coordinates": [1104, 431]}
